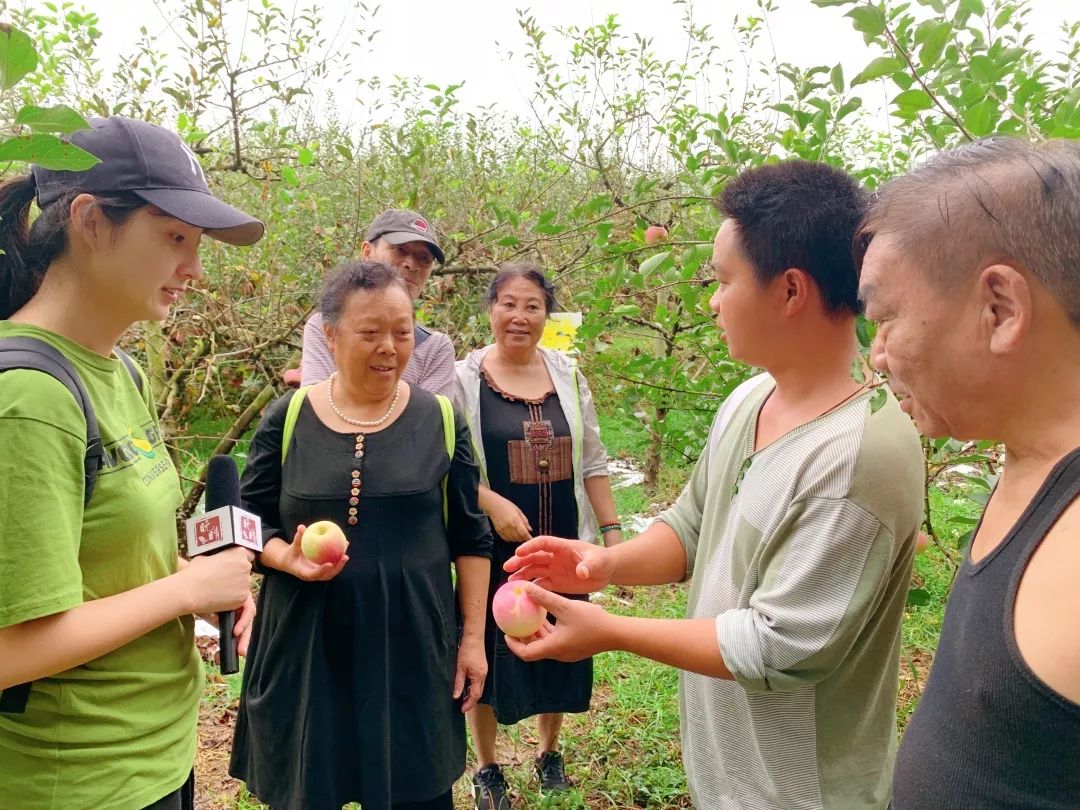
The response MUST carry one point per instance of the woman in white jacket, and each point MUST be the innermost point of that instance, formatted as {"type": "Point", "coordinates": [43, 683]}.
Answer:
{"type": "Point", "coordinates": [543, 471]}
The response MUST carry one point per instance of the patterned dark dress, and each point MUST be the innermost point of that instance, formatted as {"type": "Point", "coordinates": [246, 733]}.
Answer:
{"type": "Point", "coordinates": [347, 689]}
{"type": "Point", "coordinates": [529, 456]}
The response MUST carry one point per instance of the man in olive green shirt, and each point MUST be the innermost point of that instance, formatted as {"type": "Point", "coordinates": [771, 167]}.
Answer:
{"type": "Point", "coordinates": [797, 527]}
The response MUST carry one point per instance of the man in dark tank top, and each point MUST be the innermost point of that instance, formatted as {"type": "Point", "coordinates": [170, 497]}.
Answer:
{"type": "Point", "coordinates": [971, 267]}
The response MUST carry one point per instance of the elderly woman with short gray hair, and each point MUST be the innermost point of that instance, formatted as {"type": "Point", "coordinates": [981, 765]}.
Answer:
{"type": "Point", "coordinates": [357, 677]}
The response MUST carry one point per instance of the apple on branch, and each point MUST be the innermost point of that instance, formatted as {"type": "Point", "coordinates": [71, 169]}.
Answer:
{"type": "Point", "coordinates": [654, 234]}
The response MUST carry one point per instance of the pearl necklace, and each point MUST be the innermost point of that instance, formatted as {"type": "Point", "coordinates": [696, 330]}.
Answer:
{"type": "Point", "coordinates": [360, 422]}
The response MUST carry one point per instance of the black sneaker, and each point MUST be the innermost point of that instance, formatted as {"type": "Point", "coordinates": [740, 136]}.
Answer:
{"type": "Point", "coordinates": [489, 789]}
{"type": "Point", "coordinates": [550, 772]}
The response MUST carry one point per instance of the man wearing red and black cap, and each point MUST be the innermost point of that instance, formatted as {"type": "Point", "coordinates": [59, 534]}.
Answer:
{"type": "Point", "coordinates": [405, 241]}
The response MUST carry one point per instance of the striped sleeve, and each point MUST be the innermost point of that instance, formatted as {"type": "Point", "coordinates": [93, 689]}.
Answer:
{"type": "Point", "coordinates": [821, 576]}
{"type": "Point", "coordinates": [316, 362]}
{"type": "Point", "coordinates": [434, 360]}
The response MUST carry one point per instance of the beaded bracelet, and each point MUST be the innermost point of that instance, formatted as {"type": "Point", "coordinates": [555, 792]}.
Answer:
{"type": "Point", "coordinates": [610, 527]}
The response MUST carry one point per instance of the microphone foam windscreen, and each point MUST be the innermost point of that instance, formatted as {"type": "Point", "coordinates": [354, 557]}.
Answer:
{"type": "Point", "coordinates": [222, 482]}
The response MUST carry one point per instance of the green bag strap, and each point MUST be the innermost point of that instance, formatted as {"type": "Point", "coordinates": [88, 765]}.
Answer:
{"type": "Point", "coordinates": [292, 413]}
{"type": "Point", "coordinates": [449, 432]}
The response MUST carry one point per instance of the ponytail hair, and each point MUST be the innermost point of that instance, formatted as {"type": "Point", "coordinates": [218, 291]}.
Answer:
{"type": "Point", "coordinates": [18, 279]}
{"type": "Point", "coordinates": [29, 248]}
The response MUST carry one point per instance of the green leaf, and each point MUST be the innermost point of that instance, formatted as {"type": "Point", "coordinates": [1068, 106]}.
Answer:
{"type": "Point", "coordinates": [653, 262]}
{"type": "Point", "coordinates": [882, 66]}
{"type": "Point", "coordinates": [984, 69]}
{"type": "Point", "coordinates": [305, 156]}
{"type": "Point", "coordinates": [973, 6]}
{"type": "Point", "coordinates": [913, 100]}
{"type": "Point", "coordinates": [17, 56]}
{"type": "Point", "coordinates": [877, 400]}
{"type": "Point", "coordinates": [836, 76]}
{"type": "Point", "coordinates": [865, 330]}
{"type": "Point", "coordinates": [937, 36]}
{"type": "Point", "coordinates": [979, 119]}
{"type": "Point", "coordinates": [917, 597]}
{"type": "Point", "coordinates": [857, 372]}
{"type": "Point", "coordinates": [870, 20]}
{"type": "Point", "coordinates": [47, 151]}
{"type": "Point", "coordinates": [288, 174]}
{"type": "Point", "coordinates": [828, 3]}
{"type": "Point", "coordinates": [51, 119]}
{"type": "Point", "coordinates": [629, 310]}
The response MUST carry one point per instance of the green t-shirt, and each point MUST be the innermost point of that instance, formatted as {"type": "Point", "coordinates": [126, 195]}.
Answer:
{"type": "Point", "coordinates": [118, 731]}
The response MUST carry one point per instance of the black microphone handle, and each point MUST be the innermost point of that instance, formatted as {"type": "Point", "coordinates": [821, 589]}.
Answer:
{"type": "Point", "coordinates": [230, 657]}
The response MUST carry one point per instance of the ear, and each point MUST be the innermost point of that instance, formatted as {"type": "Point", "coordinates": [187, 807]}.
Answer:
{"type": "Point", "coordinates": [366, 250]}
{"type": "Point", "coordinates": [87, 221]}
{"type": "Point", "coordinates": [1005, 303]}
{"type": "Point", "coordinates": [797, 287]}
{"type": "Point", "coordinates": [330, 332]}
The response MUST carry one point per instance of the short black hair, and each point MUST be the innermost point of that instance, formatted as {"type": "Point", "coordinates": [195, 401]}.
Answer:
{"type": "Point", "coordinates": [529, 272]}
{"type": "Point", "coordinates": [803, 215]}
{"type": "Point", "coordinates": [353, 275]}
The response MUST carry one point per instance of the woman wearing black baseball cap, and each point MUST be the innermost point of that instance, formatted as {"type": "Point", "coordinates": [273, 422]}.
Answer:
{"type": "Point", "coordinates": [100, 677]}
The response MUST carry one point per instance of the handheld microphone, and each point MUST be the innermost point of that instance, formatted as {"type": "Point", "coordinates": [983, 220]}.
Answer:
{"type": "Point", "coordinates": [224, 524]}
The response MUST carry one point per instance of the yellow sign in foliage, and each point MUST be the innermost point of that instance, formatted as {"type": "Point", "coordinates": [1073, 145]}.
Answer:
{"type": "Point", "coordinates": [560, 330]}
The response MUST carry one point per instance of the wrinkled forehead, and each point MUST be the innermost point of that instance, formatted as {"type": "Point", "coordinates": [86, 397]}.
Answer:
{"type": "Point", "coordinates": [882, 275]}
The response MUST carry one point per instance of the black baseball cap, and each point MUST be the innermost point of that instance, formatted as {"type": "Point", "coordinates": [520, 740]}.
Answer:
{"type": "Point", "coordinates": [154, 164]}
{"type": "Point", "coordinates": [398, 226]}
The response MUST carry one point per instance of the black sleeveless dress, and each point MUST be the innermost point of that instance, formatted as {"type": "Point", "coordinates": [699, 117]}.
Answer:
{"type": "Point", "coordinates": [347, 692]}
{"type": "Point", "coordinates": [529, 456]}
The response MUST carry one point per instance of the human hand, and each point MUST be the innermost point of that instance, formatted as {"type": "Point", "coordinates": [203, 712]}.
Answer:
{"type": "Point", "coordinates": [215, 583]}
{"type": "Point", "coordinates": [245, 618]}
{"type": "Point", "coordinates": [566, 566]}
{"type": "Point", "coordinates": [294, 562]}
{"type": "Point", "coordinates": [508, 521]}
{"type": "Point", "coordinates": [580, 629]}
{"type": "Point", "coordinates": [472, 668]}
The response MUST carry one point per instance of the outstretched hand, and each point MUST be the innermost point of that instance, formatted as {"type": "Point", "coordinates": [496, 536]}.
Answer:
{"type": "Point", "coordinates": [580, 629]}
{"type": "Point", "coordinates": [566, 566]}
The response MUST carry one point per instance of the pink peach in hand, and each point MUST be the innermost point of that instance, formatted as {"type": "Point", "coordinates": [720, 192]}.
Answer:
{"type": "Point", "coordinates": [324, 542]}
{"type": "Point", "coordinates": [515, 612]}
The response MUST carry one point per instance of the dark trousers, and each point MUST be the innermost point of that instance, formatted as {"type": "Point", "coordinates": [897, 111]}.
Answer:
{"type": "Point", "coordinates": [182, 799]}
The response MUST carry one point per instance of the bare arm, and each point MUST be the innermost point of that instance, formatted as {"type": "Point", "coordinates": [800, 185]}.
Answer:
{"type": "Point", "coordinates": [598, 488]}
{"type": "Point", "coordinates": [654, 557]}
{"type": "Point", "coordinates": [472, 664]}
{"type": "Point", "coordinates": [42, 647]}
{"type": "Point", "coordinates": [473, 576]}
{"type": "Point", "coordinates": [583, 630]}
{"type": "Point", "coordinates": [687, 644]}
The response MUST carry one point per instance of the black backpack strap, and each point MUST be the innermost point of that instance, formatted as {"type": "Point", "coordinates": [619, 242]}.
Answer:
{"type": "Point", "coordinates": [37, 355]}
{"type": "Point", "coordinates": [133, 369]}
